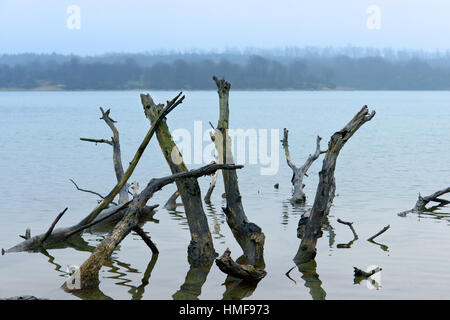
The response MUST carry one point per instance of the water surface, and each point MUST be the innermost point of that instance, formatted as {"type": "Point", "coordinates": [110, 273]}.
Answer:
{"type": "Point", "coordinates": [404, 150]}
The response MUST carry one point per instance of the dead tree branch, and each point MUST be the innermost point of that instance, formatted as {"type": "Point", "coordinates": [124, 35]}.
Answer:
{"type": "Point", "coordinates": [90, 268]}
{"type": "Point", "coordinates": [52, 226]}
{"type": "Point", "coordinates": [146, 239]}
{"type": "Point", "coordinates": [350, 225]}
{"type": "Point", "coordinates": [117, 158]}
{"type": "Point", "coordinates": [241, 271]}
{"type": "Point", "coordinates": [90, 191]}
{"type": "Point", "coordinates": [298, 195]}
{"type": "Point", "coordinates": [421, 203]}
{"type": "Point", "coordinates": [201, 247]}
{"type": "Point", "coordinates": [355, 235]}
{"type": "Point", "coordinates": [379, 233]}
{"type": "Point", "coordinates": [212, 185]}
{"type": "Point", "coordinates": [127, 174]}
{"type": "Point", "coordinates": [249, 236]}
{"type": "Point", "coordinates": [326, 188]}
{"type": "Point", "coordinates": [171, 203]}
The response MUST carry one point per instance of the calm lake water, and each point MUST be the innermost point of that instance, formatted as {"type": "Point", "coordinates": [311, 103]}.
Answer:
{"type": "Point", "coordinates": [404, 150]}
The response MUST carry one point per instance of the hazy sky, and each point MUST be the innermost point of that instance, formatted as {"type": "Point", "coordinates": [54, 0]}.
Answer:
{"type": "Point", "coordinates": [138, 25]}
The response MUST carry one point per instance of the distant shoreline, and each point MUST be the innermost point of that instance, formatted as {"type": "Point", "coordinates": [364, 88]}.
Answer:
{"type": "Point", "coordinates": [59, 89]}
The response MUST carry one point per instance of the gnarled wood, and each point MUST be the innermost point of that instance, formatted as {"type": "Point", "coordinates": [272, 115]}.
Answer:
{"type": "Point", "coordinates": [298, 174]}
{"type": "Point", "coordinates": [326, 188]}
{"type": "Point", "coordinates": [201, 247]}
{"type": "Point", "coordinates": [90, 268]}
{"type": "Point", "coordinates": [249, 236]}
{"type": "Point", "coordinates": [241, 271]}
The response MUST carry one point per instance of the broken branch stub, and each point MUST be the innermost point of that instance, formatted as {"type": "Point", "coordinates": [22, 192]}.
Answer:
{"type": "Point", "coordinates": [249, 236]}
{"type": "Point", "coordinates": [326, 188]}
{"type": "Point", "coordinates": [201, 247]}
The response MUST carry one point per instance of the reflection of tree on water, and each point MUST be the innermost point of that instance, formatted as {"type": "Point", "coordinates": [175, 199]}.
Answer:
{"type": "Point", "coordinates": [212, 212]}
{"type": "Point", "coordinates": [195, 278]}
{"type": "Point", "coordinates": [179, 216]}
{"type": "Point", "coordinates": [294, 209]}
{"type": "Point", "coordinates": [114, 265]}
{"type": "Point", "coordinates": [311, 278]}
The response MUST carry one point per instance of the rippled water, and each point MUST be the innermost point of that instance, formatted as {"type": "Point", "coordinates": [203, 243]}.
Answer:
{"type": "Point", "coordinates": [404, 150]}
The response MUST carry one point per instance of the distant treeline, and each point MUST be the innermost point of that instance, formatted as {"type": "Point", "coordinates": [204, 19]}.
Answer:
{"type": "Point", "coordinates": [307, 72]}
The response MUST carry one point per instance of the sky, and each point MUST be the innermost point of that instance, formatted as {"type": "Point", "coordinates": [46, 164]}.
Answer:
{"type": "Point", "coordinates": [105, 26]}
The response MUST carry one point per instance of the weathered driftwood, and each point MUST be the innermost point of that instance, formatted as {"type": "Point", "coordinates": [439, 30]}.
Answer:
{"type": "Point", "coordinates": [298, 174]}
{"type": "Point", "coordinates": [117, 158]}
{"type": "Point", "coordinates": [201, 247]}
{"type": "Point", "coordinates": [421, 203]}
{"type": "Point", "coordinates": [241, 271]}
{"type": "Point", "coordinates": [355, 235]}
{"type": "Point", "coordinates": [249, 236]}
{"type": "Point", "coordinates": [326, 188]}
{"type": "Point", "coordinates": [90, 268]}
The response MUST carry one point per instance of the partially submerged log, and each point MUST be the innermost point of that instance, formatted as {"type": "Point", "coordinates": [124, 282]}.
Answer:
{"type": "Point", "coordinates": [201, 247]}
{"type": "Point", "coordinates": [298, 174]}
{"type": "Point", "coordinates": [379, 233]}
{"type": "Point", "coordinates": [422, 202]}
{"type": "Point", "coordinates": [355, 235]}
{"type": "Point", "coordinates": [241, 271]}
{"type": "Point", "coordinates": [90, 268]}
{"type": "Point", "coordinates": [249, 236]}
{"type": "Point", "coordinates": [326, 188]}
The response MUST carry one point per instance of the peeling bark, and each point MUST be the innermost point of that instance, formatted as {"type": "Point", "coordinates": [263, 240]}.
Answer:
{"type": "Point", "coordinates": [326, 188]}
{"type": "Point", "coordinates": [201, 247]}
{"type": "Point", "coordinates": [298, 195]}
